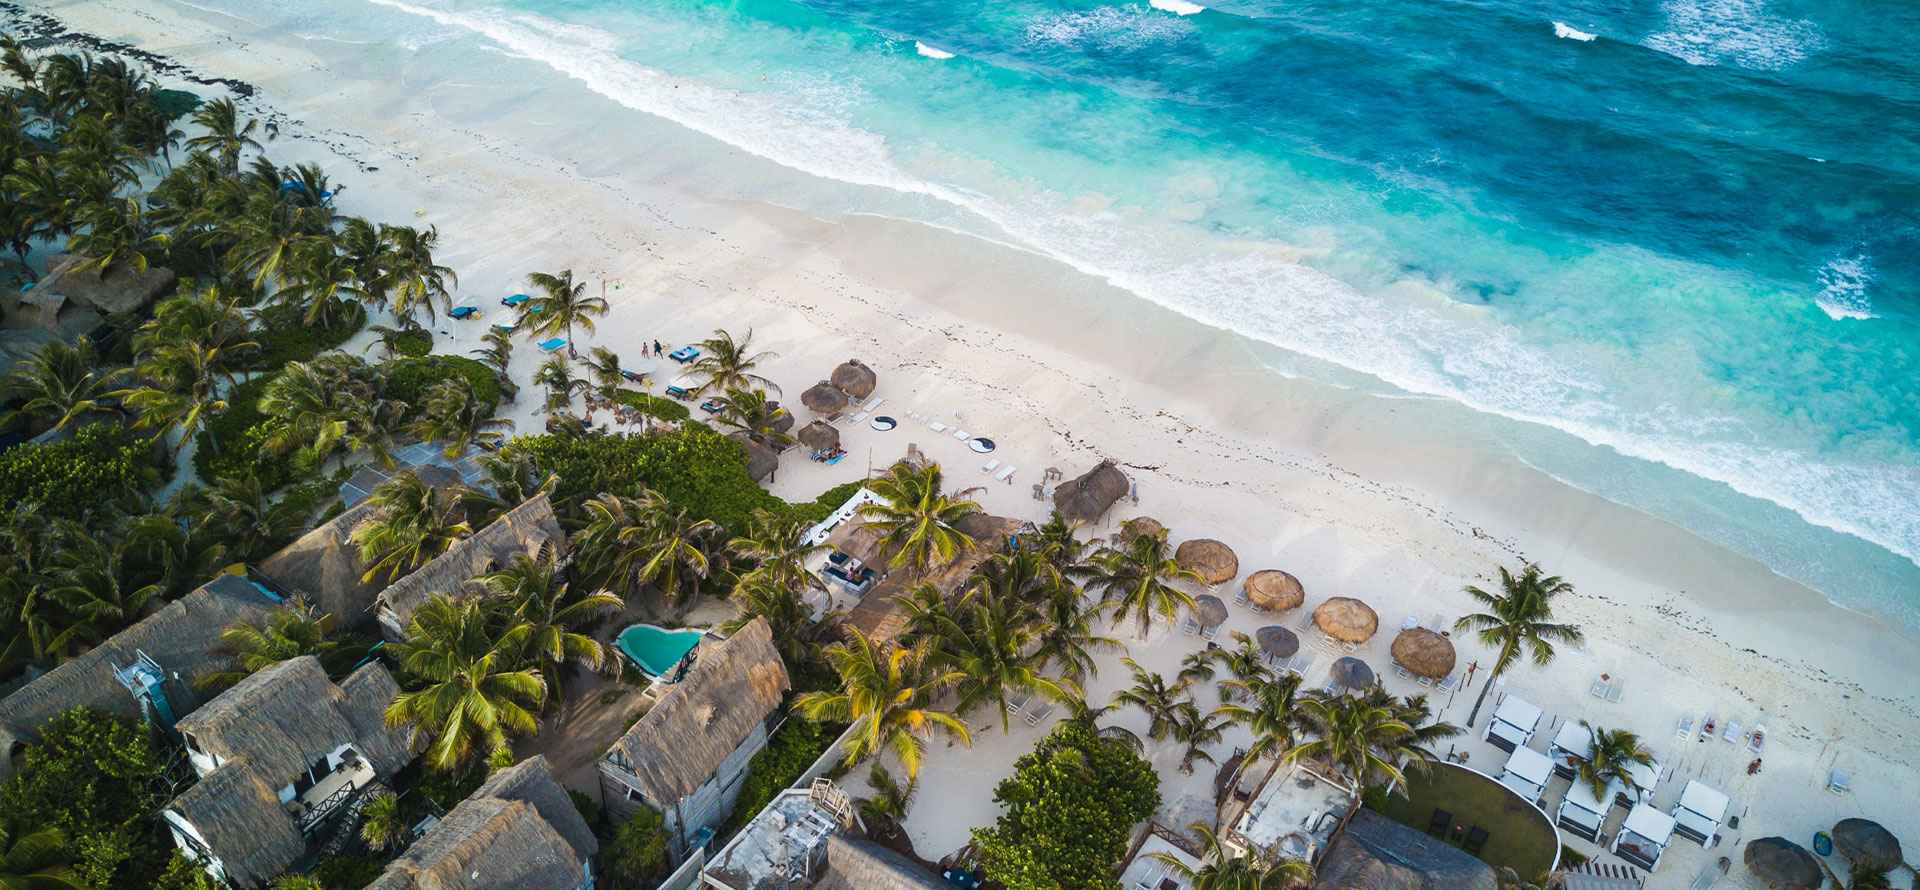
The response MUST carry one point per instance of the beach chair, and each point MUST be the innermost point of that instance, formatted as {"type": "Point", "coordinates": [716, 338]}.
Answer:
{"type": "Point", "coordinates": [1757, 738]}
{"type": "Point", "coordinates": [937, 427]}
{"type": "Point", "coordinates": [1449, 683]}
{"type": "Point", "coordinates": [1599, 689]}
{"type": "Point", "coordinates": [961, 435]}
{"type": "Point", "coordinates": [1617, 691]}
{"type": "Point", "coordinates": [1684, 729]}
{"type": "Point", "coordinates": [1837, 782]}
{"type": "Point", "coordinates": [1410, 623]}
{"type": "Point", "coordinates": [1708, 728]}
{"type": "Point", "coordinates": [1424, 681]}
{"type": "Point", "coordinates": [1301, 663]}
{"type": "Point", "coordinates": [1005, 475]}
{"type": "Point", "coordinates": [1015, 704]}
{"type": "Point", "coordinates": [1706, 880]}
{"type": "Point", "coordinates": [1210, 633]}
{"type": "Point", "coordinates": [1476, 840]}
{"type": "Point", "coordinates": [1147, 879]}
{"type": "Point", "coordinates": [1190, 626]}
{"type": "Point", "coordinates": [1240, 599]}
{"type": "Point", "coordinates": [990, 466]}
{"type": "Point", "coordinates": [1034, 717]}
{"type": "Point", "coordinates": [1305, 621]}
{"type": "Point", "coordinates": [858, 418]}
{"type": "Point", "coordinates": [1437, 826]}
{"type": "Point", "coordinates": [1400, 670]}
{"type": "Point", "coordinates": [1732, 732]}
{"type": "Point", "coordinates": [870, 406]}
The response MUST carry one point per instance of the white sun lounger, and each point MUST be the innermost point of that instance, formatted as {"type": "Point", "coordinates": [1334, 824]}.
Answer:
{"type": "Point", "coordinates": [1448, 683]}
{"type": "Point", "coordinates": [1732, 732]}
{"type": "Point", "coordinates": [1033, 718]}
{"type": "Point", "coordinates": [1616, 691]}
{"type": "Point", "coordinates": [1837, 782]}
{"type": "Point", "coordinates": [960, 435]}
{"type": "Point", "coordinates": [1015, 704]}
{"type": "Point", "coordinates": [990, 466]}
{"type": "Point", "coordinates": [1757, 738]}
{"type": "Point", "coordinates": [857, 418]}
{"type": "Point", "coordinates": [1005, 474]}
{"type": "Point", "coordinates": [873, 404]}
{"type": "Point", "coordinates": [1684, 729]}
{"type": "Point", "coordinates": [1599, 689]}
{"type": "Point", "coordinates": [1706, 880]}
{"type": "Point", "coordinates": [937, 427]}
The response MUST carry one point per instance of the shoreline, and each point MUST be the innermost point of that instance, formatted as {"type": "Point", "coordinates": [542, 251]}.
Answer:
{"type": "Point", "coordinates": [1327, 483]}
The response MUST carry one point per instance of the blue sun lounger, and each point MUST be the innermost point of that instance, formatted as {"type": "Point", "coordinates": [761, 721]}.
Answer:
{"type": "Point", "coordinates": [516, 299]}
{"type": "Point", "coordinates": [553, 344]}
{"type": "Point", "coordinates": [684, 354]}
{"type": "Point", "coordinates": [463, 312]}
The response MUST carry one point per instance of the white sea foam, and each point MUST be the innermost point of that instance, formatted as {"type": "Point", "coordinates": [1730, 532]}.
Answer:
{"type": "Point", "coordinates": [1107, 27]}
{"type": "Point", "coordinates": [1562, 29]}
{"type": "Point", "coordinates": [930, 52]}
{"type": "Point", "coordinates": [1737, 32]}
{"type": "Point", "coordinates": [1843, 288]}
{"type": "Point", "coordinates": [1414, 347]}
{"type": "Point", "coordinates": [1178, 7]}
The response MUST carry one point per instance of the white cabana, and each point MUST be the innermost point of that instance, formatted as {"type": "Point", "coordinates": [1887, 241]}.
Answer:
{"type": "Point", "coordinates": [1582, 813]}
{"type": "Point", "coordinates": [1569, 748]}
{"type": "Point", "coordinates": [1644, 836]}
{"type": "Point", "coordinates": [1697, 816]}
{"type": "Point", "coordinates": [1645, 779]}
{"type": "Point", "coordinates": [1527, 773]}
{"type": "Point", "coordinates": [1513, 723]}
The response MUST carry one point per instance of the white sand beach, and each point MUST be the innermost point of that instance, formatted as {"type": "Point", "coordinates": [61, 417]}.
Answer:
{"type": "Point", "coordinates": [1399, 502]}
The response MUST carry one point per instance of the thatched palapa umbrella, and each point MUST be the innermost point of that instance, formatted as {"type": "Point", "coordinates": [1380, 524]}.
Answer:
{"type": "Point", "coordinates": [1212, 560]}
{"type": "Point", "coordinates": [1423, 652]}
{"type": "Point", "coordinates": [1782, 863]}
{"type": "Point", "coordinates": [1865, 841]}
{"type": "Point", "coordinates": [784, 422]}
{"type": "Point", "coordinates": [1275, 590]}
{"type": "Point", "coordinates": [823, 398]}
{"type": "Point", "coordinates": [761, 461]}
{"type": "Point", "coordinates": [1141, 525]}
{"type": "Point", "coordinates": [855, 379]}
{"type": "Point", "coordinates": [1209, 611]}
{"type": "Point", "coordinates": [1086, 497]}
{"type": "Point", "coordinates": [819, 436]}
{"type": "Point", "coordinates": [1351, 673]}
{"type": "Point", "coordinates": [1277, 642]}
{"type": "Point", "coordinates": [1346, 619]}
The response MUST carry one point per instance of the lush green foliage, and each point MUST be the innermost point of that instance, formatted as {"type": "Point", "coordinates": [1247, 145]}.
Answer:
{"type": "Point", "coordinates": [411, 379]}
{"type": "Point", "coordinates": [348, 872]}
{"type": "Point", "coordinates": [789, 752]}
{"type": "Point", "coordinates": [652, 405]}
{"type": "Point", "coordinates": [1071, 805]}
{"type": "Point", "coordinates": [174, 104]}
{"type": "Point", "coordinates": [818, 509]}
{"type": "Point", "coordinates": [694, 468]}
{"type": "Point", "coordinates": [637, 852]}
{"type": "Point", "coordinates": [284, 340]}
{"type": "Point", "coordinates": [75, 477]}
{"type": "Point", "coordinates": [242, 432]}
{"type": "Point", "coordinates": [95, 778]}
{"type": "Point", "coordinates": [413, 344]}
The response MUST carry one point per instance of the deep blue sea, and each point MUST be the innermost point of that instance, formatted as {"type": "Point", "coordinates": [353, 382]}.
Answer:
{"type": "Point", "coordinates": [1686, 232]}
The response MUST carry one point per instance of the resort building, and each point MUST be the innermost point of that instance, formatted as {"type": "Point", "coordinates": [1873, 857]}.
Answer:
{"type": "Point", "coordinates": [881, 616]}
{"type": "Point", "coordinates": [1644, 836]}
{"type": "Point", "coordinates": [519, 831]}
{"type": "Point", "coordinates": [790, 844]}
{"type": "Point", "coordinates": [1377, 853]}
{"type": "Point", "coordinates": [285, 759]}
{"type": "Point", "coordinates": [526, 529]}
{"type": "Point", "coordinates": [324, 568]}
{"type": "Point", "coordinates": [1292, 813]}
{"type": "Point", "coordinates": [687, 756]}
{"type": "Point", "coordinates": [145, 672]}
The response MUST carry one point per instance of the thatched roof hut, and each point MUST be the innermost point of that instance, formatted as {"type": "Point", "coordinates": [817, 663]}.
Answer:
{"type": "Point", "coordinates": [1086, 497]}
{"type": "Point", "coordinates": [1277, 641]}
{"type": "Point", "coordinates": [823, 398]}
{"type": "Point", "coordinates": [863, 865]}
{"type": "Point", "coordinates": [782, 418]}
{"type": "Point", "coordinates": [325, 568]}
{"type": "Point", "coordinates": [1209, 610]}
{"type": "Point", "coordinates": [1781, 863]}
{"type": "Point", "coordinates": [1275, 590]}
{"type": "Point", "coordinates": [880, 616]}
{"type": "Point", "coordinates": [118, 289]}
{"type": "Point", "coordinates": [519, 831]}
{"type": "Point", "coordinates": [522, 530]}
{"type": "Point", "coordinates": [1376, 853]}
{"type": "Point", "coordinates": [819, 436]}
{"type": "Point", "coordinates": [859, 540]}
{"type": "Point", "coordinates": [761, 460]}
{"type": "Point", "coordinates": [1212, 560]}
{"type": "Point", "coordinates": [1351, 672]}
{"type": "Point", "coordinates": [855, 379]}
{"type": "Point", "coordinates": [681, 742]}
{"type": "Point", "coordinates": [1866, 841]}
{"type": "Point", "coordinates": [183, 638]}
{"type": "Point", "coordinates": [1346, 619]}
{"type": "Point", "coordinates": [263, 734]}
{"type": "Point", "coordinates": [1424, 653]}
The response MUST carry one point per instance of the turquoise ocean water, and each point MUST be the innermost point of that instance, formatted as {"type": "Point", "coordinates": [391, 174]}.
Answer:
{"type": "Point", "coordinates": [1671, 248]}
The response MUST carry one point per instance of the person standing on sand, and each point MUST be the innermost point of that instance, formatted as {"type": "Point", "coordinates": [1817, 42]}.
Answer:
{"type": "Point", "coordinates": [658, 349]}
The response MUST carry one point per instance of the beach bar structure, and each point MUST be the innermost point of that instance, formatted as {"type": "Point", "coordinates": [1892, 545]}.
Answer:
{"type": "Point", "coordinates": [1569, 748]}
{"type": "Point", "coordinates": [1527, 773]}
{"type": "Point", "coordinates": [1581, 813]}
{"type": "Point", "coordinates": [1644, 836]}
{"type": "Point", "coordinates": [1513, 723]}
{"type": "Point", "coordinates": [1698, 814]}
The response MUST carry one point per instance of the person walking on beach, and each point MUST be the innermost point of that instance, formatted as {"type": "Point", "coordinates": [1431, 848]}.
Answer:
{"type": "Point", "coordinates": [658, 349]}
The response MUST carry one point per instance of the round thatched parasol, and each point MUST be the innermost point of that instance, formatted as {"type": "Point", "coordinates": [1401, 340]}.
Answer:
{"type": "Point", "coordinates": [1209, 610]}
{"type": "Point", "coordinates": [1277, 641]}
{"type": "Point", "coordinates": [1086, 497]}
{"type": "Point", "coordinates": [854, 379]}
{"type": "Point", "coordinates": [1865, 841]}
{"type": "Point", "coordinates": [1346, 619]}
{"type": "Point", "coordinates": [823, 398]}
{"type": "Point", "coordinates": [1423, 652]}
{"type": "Point", "coordinates": [1213, 560]}
{"type": "Point", "coordinates": [1351, 672]}
{"type": "Point", "coordinates": [819, 436]}
{"type": "Point", "coordinates": [1779, 862]}
{"type": "Point", "coordinates": [1143, 525]}
{"type": "Point", "coordinates": [784, 422]}
{"type": "Point", "coordinates": [1275, 590]}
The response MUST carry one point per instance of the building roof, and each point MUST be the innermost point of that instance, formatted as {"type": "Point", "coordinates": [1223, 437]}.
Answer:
{"type": "Point", "coordinates": [732, 689]}
{"type": "Point", "coordinates": [519, 831]}
{"type": "Point", "coordinates": [181, 638]}
{"type": "Point", "coordinates": [265, 731]}
{"type": "Point", "coordinates": [1377, 853]}
{"type": "Point", "coordinates": [880, 616]}
{"type": "Point", "coordinates": [523, 529]}
{"type": "Point", "coordinates": [325, 567]}
{"type": "Point", "coordinates": [864, 865]}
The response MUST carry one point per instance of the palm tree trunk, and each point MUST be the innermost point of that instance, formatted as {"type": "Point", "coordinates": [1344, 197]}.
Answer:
{"type": "Point", "coordinates": [1484, 689]}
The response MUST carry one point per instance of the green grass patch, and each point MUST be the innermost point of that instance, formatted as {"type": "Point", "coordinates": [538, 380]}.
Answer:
{"type": "Point", "coordinates": [1519, 836]}
{"type": "Point", "coordinates": [652, 405]}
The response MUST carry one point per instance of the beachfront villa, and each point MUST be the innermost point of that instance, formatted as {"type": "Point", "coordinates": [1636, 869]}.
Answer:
{"type": "Point", "coordinates": [527, 530]}
{"type": "Point", "coordinates": [787, 843]}
{"type": "Point", "coordinates": [518, 831]}
{"type": "Point", "coordinates": [284, 759]}
{"type": "Point", "coordinates": [687, 756]}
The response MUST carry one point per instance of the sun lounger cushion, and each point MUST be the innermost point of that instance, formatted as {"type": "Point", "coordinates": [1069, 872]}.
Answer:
{"type": "Point", "coordinates": [1005, 474]}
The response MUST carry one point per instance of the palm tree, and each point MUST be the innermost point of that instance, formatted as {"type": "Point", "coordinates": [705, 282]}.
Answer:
{"type": "Point", "coordinates": [1067, 639]}
{"type": "Point", "coordinates": [1195, 731]}
{"type": "Point", "coordinates": [472, 695]}
{"type": "Point", "coordinates": [181, 391]}
{"type": "Point", "coordinates": [539, 599]}
{"type": "Point", "coordinates": [1138, 577]}
{"type": "Point", "coordinates": [884, 812]}
{"type": "Point", "coordinates": [62, 384]}
{"type": "Point", "coordinates": [226, 135]}
{"type": "Point", "coordinates": [316, 403]}
{"type": "Point", "coordinates": [752, 413]}
{"type": "Point", "coordinates": [459, 418]}
{"type": "Point", "coordinates": [411, 276]}
{"type": "Point", "coordinates": [989, 642]}
{"type": "Point", "coordinates": [36, 861]}
{"type": "Point", "coordinates": [795, 631]}
{"type": "Point", "coordinates": [556, 374]}
{"type": "Point", "coordinates": [728, 364]}
{"type": "Point", "coordinates": [1221, 869]}
{"type": "Point", "coordinates": [292, 631]}
{"type": "Point", "coordinates": [118, 234]}
{"type": "Point", "coordinates": [413, 523]}
{"type": "Point", "coordinates": [1152, 694]}
{"type": "Point", "coordinates": [778, 549]}
{"type": "Point", "coordinates": [91, 582]}
{"type": "Point", "coordinates": [1611, 756]}
{"type": "Point", "coordinates": [888, 693]}
{"type": "Point", "coordinates": [1518, 618]}
{"type": "Point", "coordinates": [674, 553]}
{"type": "Point", "coordinates": [383, 824]}
{"type": "Point", "coordinates": [1269, 706]}
{"type": "Point", "coordinates": [1244, 662]}
{"type": "Point", "coordinates": [916, 520]}
{"type": "Point", "coordinates": [560, 305]}
{"type": "Point", "coordinates": [1353, 735]}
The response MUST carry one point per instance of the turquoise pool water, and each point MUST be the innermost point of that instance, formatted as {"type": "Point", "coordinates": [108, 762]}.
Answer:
{"type": "Point", "coordinates": [656, 650]}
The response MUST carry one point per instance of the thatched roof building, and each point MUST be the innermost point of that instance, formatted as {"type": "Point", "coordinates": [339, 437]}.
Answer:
{"type": "Point", "coordinates": [180, 638]}
{"type": "Point", "coordinates": [879, 615]}
{"type": "Point", "coordinates": [761, 460]}
{"type": "Point", "coordinates": [522, 530]}
{"type": "Point", "coordinates": [325, 568]}
{"type": "Point", "coordinates": [1087, 497]}
{"type": "Point", "coordinates": [819, 436]}
{"type": "Point", "coordinates": [1346, 619]}
{"type": "Point", "coordinates": [519, 831]}
{"type": "Point", "coordinates": [859, 540]}
{"type": "Point", "coordinates": [1863, 840]}
{"type": "Point", "coordinates": [732, 690]}
{"type": "Point", "coordinates": [855, 379]}
{"type": "Point", "coordinates": [863, 865]}
{"type": "Point", "coordinates": [1212, 560]}
{"type": "Point", "coordinates": [1377, 853]}
{"type": "Point", "coordinates": [823, 398]}
{"type": "Point", "coordinates": [67, 304]}
{"type": "Point", "coordinates": [268, 733]}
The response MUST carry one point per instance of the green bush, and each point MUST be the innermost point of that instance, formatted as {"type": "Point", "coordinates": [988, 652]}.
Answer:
{"type": "Point", "coordinates": [694, 467]}
{"type": "Point", "coordinates": [652, 405]}
{"type": "Point", "coordinates": [589, 809]}
{"type": "Point", "coordinates": [411, 379]}
{"type": "Point", "coordinates": [792, 749]}
{"type": "Point", "coordinates": [1571, 858]}
{"type": "Point", "coordinates": [1071, 805]}
{"type": "Point", "coordinates": [1374, 798]}
{"type": "Point", "coordinates": [413, 344]}
{"type": "Point", "coordinates": [73, 477]}
{"type": "Point", "coordinates": [242, 432]}
{"type": "Point", "coordinates": [96, 778]}
{"type": "Point", "coordinates": [348, 872]}
{"type": "Point", "coordinates": [174, 104]}
{"type": "Point", "coordinates": [818, 509]}
{"type": "Point", "coordinates": [285, 338]}
{"type": "Point", "coordinates": [637, 852]}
